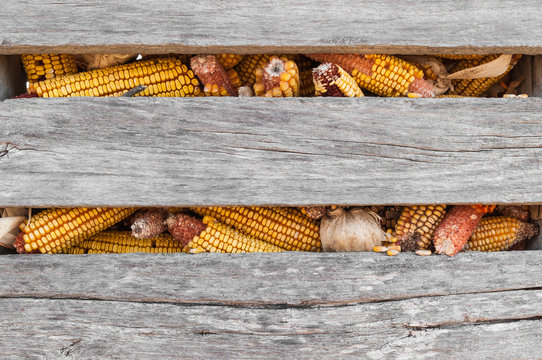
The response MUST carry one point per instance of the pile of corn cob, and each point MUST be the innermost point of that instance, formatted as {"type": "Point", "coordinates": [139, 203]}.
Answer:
{"type": "Point", "coordinates": [448, 230]}
{"type": "Point", "coordinates": [421, 228]}
{"type": "Point", "coordinates": [212, 229]}
{"type": "Point", "coordinates": [337, 75]}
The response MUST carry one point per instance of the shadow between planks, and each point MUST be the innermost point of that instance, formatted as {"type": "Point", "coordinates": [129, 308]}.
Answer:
{"type": "Point", "coordinates": [290, 305]}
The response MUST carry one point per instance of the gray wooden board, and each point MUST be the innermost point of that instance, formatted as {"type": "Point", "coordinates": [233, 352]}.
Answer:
{"type": "Point", "coordinates": [537, 76]}
{"type": "Point", "coordinates": [11, 77]}
{"type": "Point", "coordinates": [169, 306]}
{"type": "Point", "coordinates": [289, 279]}
{"type": "Point", "coordinates": [186, 151]}
{"type": "Point", "coordinates": [147, 26]}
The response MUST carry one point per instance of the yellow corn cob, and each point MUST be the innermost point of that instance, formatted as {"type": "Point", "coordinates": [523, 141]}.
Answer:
{"type": "Point", "coordinates": [287, 228]}
{"type": "Point", "coordinates": [235, 81]}
{"type": "Point", "coordinates": [54, 230]}
{"type": "Point", "coordinates": [417, 224]}
{"type": "Point", "coordinates": [384, 75]}
{"type": "Point", "coordinates": [499, 233]}
{"type": "Point", "coordinates": [331, 80]}
{"type": "Point", "coordinates": [208, 69]}
{"type": "Point", "coordinates": [460, 57]}
{"type": "Point", "coordinates": [388, 215]}
{"type": "Point", "coordinates": [476, 87]}
{"type": "Point", "coordinates": [47, 66]}
{"type": "Point", "coordinates": [278, 78]}
{"type": "Point", "coordinates": [161, 77]}
{"type": "Point", "coordinates": [228, 61]}
{"type": "Point", "coordinates": [247, 67]}
{"type": "Point", "coordinates": [123, 242]}
{"type": "Point", "coordinates": [218, 237]}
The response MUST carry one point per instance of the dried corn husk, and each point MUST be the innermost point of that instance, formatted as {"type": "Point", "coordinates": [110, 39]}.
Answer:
{"type": "Point", "coordinates": [99, 61]}
{"type": "Point", "coordinates": [10, 218]}
{"type": "Point", "coordinates": [9, 229]}
{"type": "Point", "coordinates": [353, 229]}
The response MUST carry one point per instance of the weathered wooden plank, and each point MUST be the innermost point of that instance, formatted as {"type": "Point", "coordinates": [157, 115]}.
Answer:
{"type": "Point", "coordinates": [66, 152]}
{"type": "Point", "coordinates": [427, 26]}
{"type": "Point", "coordinates": [266, 280]}
{"type": "Point", "coordinates": [500, 325]}
{"type": "Point", "coordinates": [12, 81]}
{"type": "Point", "coordinates": [537, 76]}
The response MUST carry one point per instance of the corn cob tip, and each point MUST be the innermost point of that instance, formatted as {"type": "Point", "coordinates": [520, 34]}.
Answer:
{"type": "Point", "coordinates": [184, 227]}
{"type": "Point", "coordinates": [149, 223]}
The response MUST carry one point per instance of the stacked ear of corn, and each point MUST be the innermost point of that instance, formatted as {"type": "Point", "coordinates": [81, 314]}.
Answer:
{"type": "Point", "coordinates": [40, 67]}
{"type": "Point", "coordinates": [55, 230]}
{"type": "Point", "coordinates": [278, 78]}
{"type": "Point", "coordinates": [476, 87]}
{"type": "Point", "coordinates": [213, 76]}
{"type": "Point", "coordinates": [499, 233]}
{"type": "Point", "coordinates": [287, 228]}
{"type": "Point", "coordinates": [416, 226]}
{"type": "Point", "coordinates": [228, 61]}
{"type": "Point", "coordinates": [247, 67]}
{"type": "Point", "coordinates": [384, 75]}
{"type": "Point", "coordinates": [160, 76]}
{"type": "Point", "coordinates": [457, 227]}
{"type": "Point", "coordinates": [331, 80]}
{"type": "Point", "coordinates": [218, 237]}
{"type": "Point", "coordinates": [117, 242]}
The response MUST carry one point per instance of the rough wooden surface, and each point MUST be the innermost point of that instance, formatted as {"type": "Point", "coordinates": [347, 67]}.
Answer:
{"type": "Point", "coordinates": [536, 76]}
{"type": "Point", "coordinates": [427, 26]}
{"type": "Point", "coordinates": [256, 306]}
{"type": "Point", "coordinates": [66, 152]}
{"type": "Point", "coordinates": [11, 77]}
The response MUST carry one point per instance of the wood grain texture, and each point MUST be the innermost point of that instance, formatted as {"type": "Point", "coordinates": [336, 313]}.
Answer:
{"type": "Point", "coordinates": [427, 26]}
{"type": "Point", "coordinates": [67, 152]}
{"type": "Point", "coordinates": [12, 81]}
{"type": "Point", "coordinates": [260, 306]}
{"type": "Point", "coordinates": [266, 280]}
{"type": "Point", "coordinates": [536, 76]}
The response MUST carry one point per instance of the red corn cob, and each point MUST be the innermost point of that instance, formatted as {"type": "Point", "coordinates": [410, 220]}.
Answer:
{"type": "Point", "coordinates": [184, 227]}
{"type": "Point", "coordinates": [149, 223]}
{"type": "Point", "coordinates": [216, 80]}
{"type": "Point", "coordinates": [457, 227]}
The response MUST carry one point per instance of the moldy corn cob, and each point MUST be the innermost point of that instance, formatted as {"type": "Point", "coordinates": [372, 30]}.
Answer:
{"type": "Point", "coordinates": [331, 80]}
{"type": "Point", "coordinates": [40, 67]}
{"type": "Point", "coordinates": [278, 78]}
{"type": "Point", "coordinates": [55, 230]}
{"type": "Point", "coordinates": [416, 226]}
{"type": "Point", "coordinates": [287, 228]}
{"type": "Point", "coordinates": [476, 87]}
{"type": "Point", "coordinates": [161, 77]}
{"type": "Point", "coordinates": [384, 75]}
{"type": "Point", "coordinates": [213, 76]}
{"type": "Point", "coordinates": [499, 233]}
{"type": "Point", "coordinates": [457, 227]}
{"type": "Point", "coordinates": [118, 242]}
{"type": "Point", "coordinates": [218, 237]}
